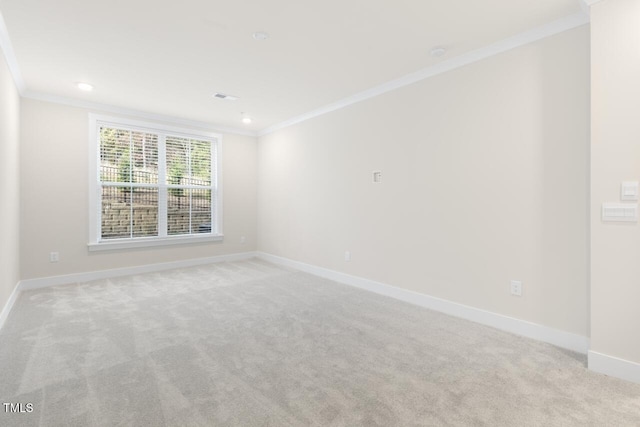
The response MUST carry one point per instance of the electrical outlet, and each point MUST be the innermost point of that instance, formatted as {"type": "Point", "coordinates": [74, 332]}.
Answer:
{"type": "Point", "coordinates": [54, 257]}
{"type": "Point", "coordinates": [516, 288]}
{"type": "Point", "coordinates": [347, 256]}
{"type": "Point", "coordinates": [243, 240]}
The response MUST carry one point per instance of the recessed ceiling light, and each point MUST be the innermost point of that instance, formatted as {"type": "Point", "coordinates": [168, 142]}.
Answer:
{"type": "Point", "coordinates": [245, 119]}
{"type": "Point", "coordinates": [225, 96]}
{"type": "Point", "coordinates": [85, 86]}
{"type": "Point", "coordinates": [437, 52]}
{"type": "Point", "coordinates": [259, 35]}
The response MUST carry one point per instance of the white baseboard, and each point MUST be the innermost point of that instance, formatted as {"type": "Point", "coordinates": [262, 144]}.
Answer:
{"type": "Point", "coordinates": [614, 367]}
{"type": "Point", "coordinates": [567, 340]}
{"type": "Point", "coordinates": [44, 282]}
{"type": "Point", "coordinates": [9, 305]}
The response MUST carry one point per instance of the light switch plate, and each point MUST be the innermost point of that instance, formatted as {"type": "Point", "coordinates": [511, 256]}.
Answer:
{"type": "Point", "coordinates": [629, 191]}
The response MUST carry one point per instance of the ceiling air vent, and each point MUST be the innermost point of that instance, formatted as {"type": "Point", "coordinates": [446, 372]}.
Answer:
{"type": "Point", "coordinates": [226, 97]}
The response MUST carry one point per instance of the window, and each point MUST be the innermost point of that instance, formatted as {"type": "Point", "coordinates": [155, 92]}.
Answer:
{"type": "Point", "coordinates": [152, 184]}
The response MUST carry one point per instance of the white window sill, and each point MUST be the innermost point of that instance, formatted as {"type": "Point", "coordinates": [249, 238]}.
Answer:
{"type": "Point", "coordinates": [145, 242]}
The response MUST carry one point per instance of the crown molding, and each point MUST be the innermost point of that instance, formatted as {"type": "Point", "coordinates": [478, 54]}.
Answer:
{"type": "Point", "coordinates": [521, 39]}
{"type": "Point", "coordinates": [38, 96]}
{"type": "Point", "coordinates": [9, 55]}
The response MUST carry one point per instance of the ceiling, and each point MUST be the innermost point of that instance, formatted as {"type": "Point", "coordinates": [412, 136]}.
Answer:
{"type": "Point", "coordinates": [170, 57]}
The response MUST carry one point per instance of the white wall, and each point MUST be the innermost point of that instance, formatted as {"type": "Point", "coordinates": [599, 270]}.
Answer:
{"type": "Point", "coordinates": [54, 171]}
{"type": "Point", "coordinates": [485, 179]}
{"type": "Point", "coordinates": [615, 157]}
{"type": "Point", "coordinates": [9, 183]}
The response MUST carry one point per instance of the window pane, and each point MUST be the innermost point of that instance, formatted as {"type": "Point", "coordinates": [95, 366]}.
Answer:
{"type": "Point", "coordinates": [178, 208]}
{"type": "Point", "coordinates": [189, 211]}
{"type": "Point", "coordinates": [177, 160]}
{"type": "Point", "coordinates": [127, 156]}
{"type": "Point", "coordinates": [200, 211]}
{"type": "Point", "coordinates": [144, 157]}
{"type": "Point", "coordinates": [115, 155]}
{"type": "Point", "coordinates": [145, 212]}
{"type": "Point", "coordinates": [200, 163]}
{"type": "Point", "coordinates": [116, 212]}
{"type": "Point", "coordinates": [129, 212]}
{"type": "Point", "coordinates": [188, 161]}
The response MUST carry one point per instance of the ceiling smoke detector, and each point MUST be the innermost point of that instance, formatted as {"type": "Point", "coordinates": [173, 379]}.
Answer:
{"type": "Point", "coordinates": [259, 35]}
{"type": "Point", "coordinates": [437, 52]}
{"type": "Point", "coordinates": [225, 97]}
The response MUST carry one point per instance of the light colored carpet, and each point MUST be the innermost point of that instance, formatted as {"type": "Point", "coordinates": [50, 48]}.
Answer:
{"type": "Point", "coordinates": [252, 344]}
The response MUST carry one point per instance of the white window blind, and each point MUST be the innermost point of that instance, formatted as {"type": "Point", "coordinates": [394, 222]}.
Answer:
{"type": "Point", "coordinates": [153, 184]}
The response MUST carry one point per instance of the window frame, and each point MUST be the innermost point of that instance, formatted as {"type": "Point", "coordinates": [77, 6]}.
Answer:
{"type": "Point", "coordinates": [96, 243]}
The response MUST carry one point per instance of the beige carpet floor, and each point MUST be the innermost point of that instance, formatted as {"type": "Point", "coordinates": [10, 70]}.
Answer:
{"type": "Point", "coordinates": [253, 344]}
